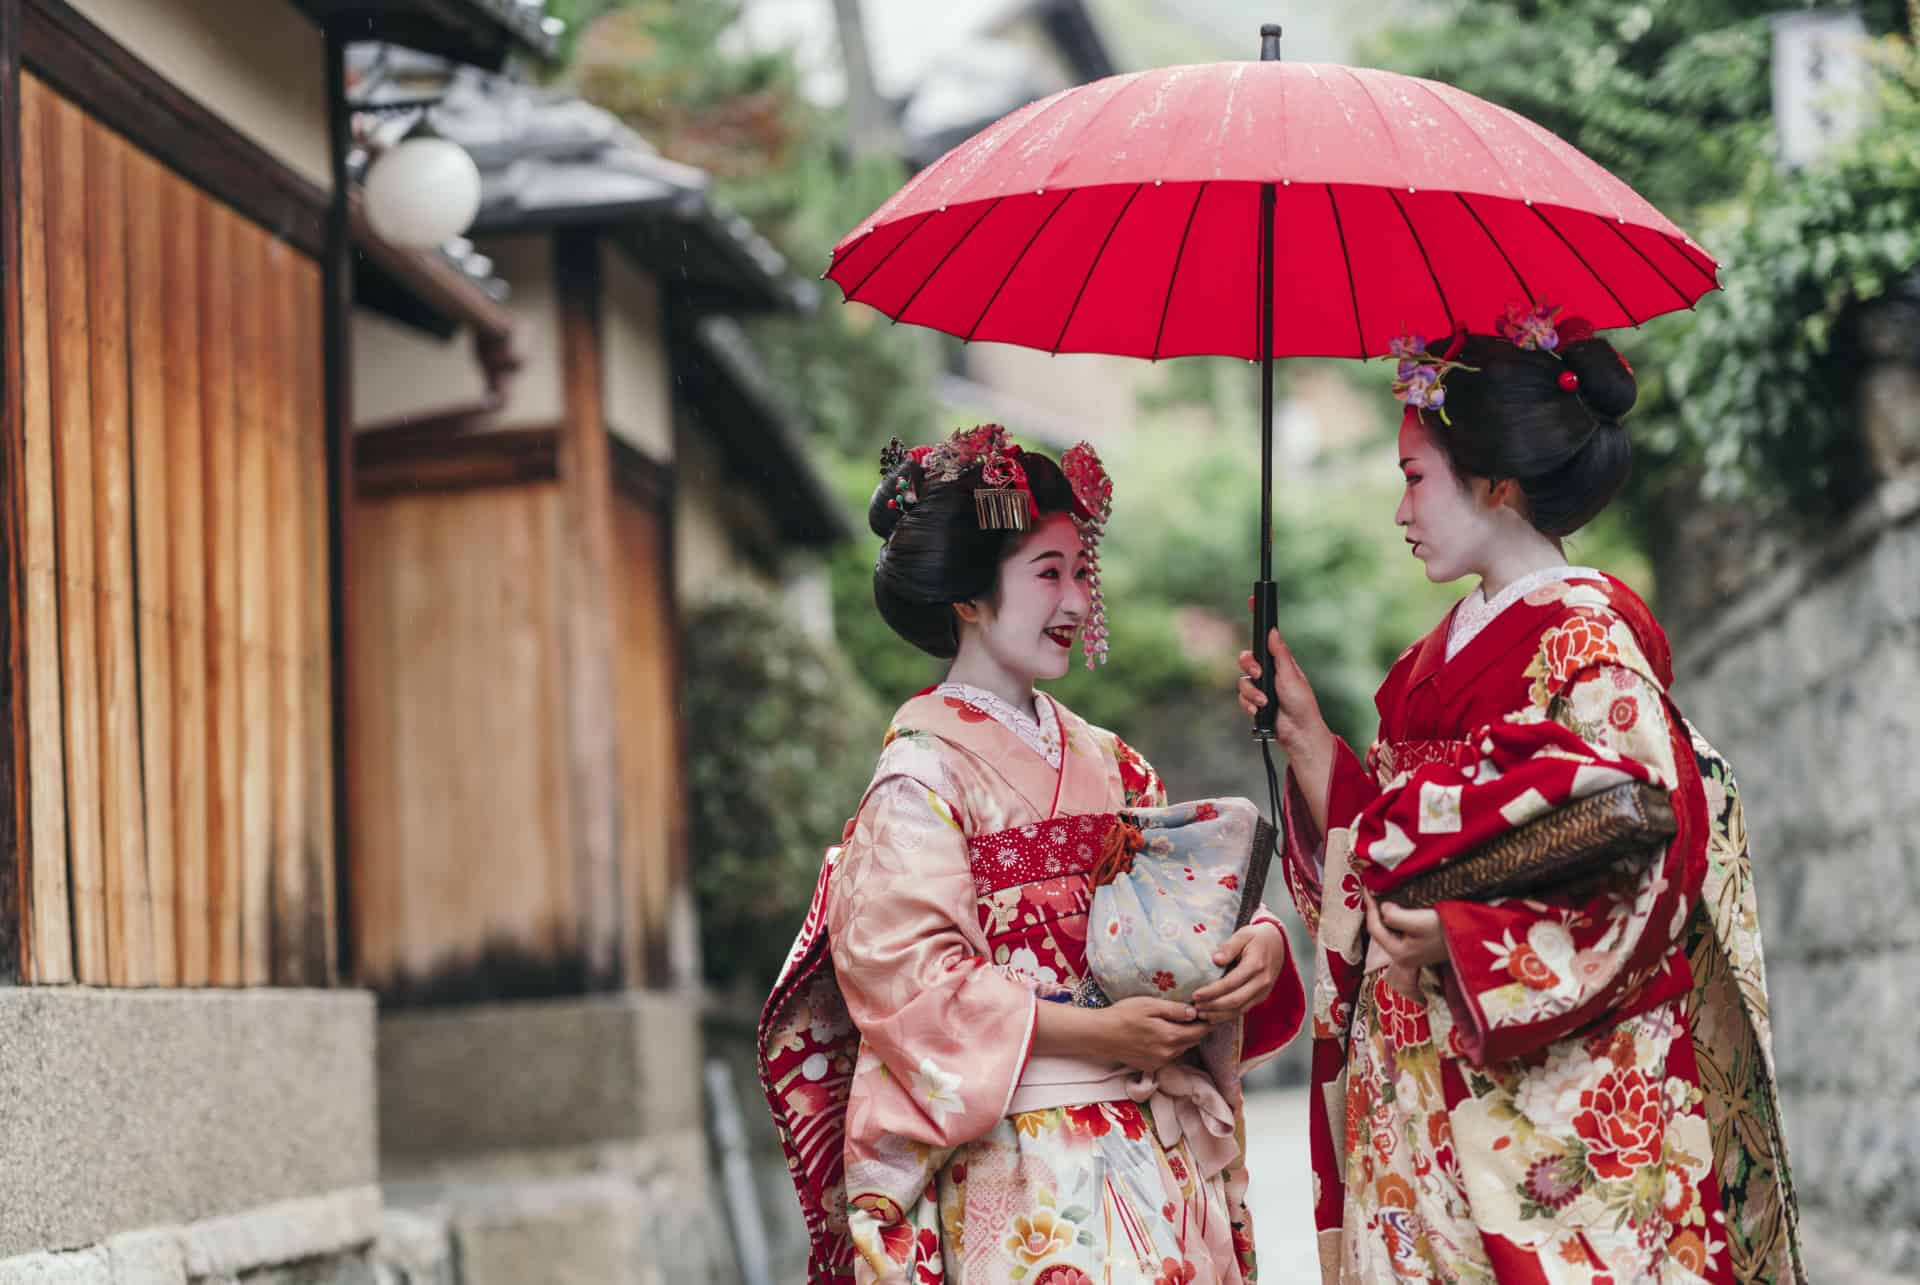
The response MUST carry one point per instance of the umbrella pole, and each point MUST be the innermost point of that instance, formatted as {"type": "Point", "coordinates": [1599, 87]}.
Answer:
{"type": "Point", "coordinates": [1266, 594]}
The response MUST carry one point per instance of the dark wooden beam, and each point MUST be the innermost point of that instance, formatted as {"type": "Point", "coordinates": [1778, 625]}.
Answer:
{"type": "Point", "coordinates": [95, 71]}
{"type": "Point", "coordinates": [337, 286]}
{"type": "Point", "coordinates": [642, 479]}
{"type": "Point", "coordinates": [407, 461]}
{"type": "Point", "coordinates": [16, 842]}
{"type": "Point", "coordinates": [587, 515]}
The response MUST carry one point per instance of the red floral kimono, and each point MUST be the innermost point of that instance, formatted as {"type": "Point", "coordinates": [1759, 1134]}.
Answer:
{"type": "Point", "coordinates": [895, 1047]}
{"type": "Point", "coordinates": [1584, 1093]}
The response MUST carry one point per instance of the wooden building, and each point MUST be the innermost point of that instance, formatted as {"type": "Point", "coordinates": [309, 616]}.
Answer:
{"type": "Point", "coordinates": [341, 628]}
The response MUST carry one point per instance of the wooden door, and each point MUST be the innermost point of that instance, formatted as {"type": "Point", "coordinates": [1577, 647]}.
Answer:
{"type": "Point", "coordinates": [176, 656]}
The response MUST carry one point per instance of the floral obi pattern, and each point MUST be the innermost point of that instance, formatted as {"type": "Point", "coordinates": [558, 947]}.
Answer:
{"type": "Point", "coordinates": [1389, 759]}
{"type": "Point", "coordinates": [1034, 889]}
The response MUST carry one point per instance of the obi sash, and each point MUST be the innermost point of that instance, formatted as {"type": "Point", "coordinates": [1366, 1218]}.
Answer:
{"type": "Point", "coordinates": [1184, 1101]}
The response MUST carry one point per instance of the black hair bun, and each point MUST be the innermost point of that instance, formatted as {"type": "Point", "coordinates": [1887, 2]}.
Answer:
{"type": "Point", "coordinates": [1607, 384]}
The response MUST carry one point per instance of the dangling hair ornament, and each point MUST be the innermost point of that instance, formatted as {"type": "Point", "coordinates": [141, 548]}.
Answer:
{"type": "Point", "coordinates": [1004, 501]}
{"type": "Point", "coordinates": [1092, 506]}
{"type": "Point", "coordinates": [1419, 380]}
{"type": "Point", "coordinates": [892, 456]}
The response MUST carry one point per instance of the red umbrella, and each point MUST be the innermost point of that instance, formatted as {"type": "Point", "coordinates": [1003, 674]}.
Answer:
{"type": "Point", "coordinates": [1189, 210]}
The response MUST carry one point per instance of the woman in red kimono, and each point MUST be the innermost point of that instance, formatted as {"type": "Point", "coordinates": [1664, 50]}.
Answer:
{"type": "Point", "coordinates": [952, 1111]}
{"type": "Point", "coordinates": [1575, 1086]}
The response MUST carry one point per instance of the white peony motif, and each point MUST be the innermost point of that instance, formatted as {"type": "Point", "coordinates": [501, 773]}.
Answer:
{"type": "Point", "coordinates": [1026, 965]}
{"type": "Point", "coordinates": [1439, 808]}
{"type": "Point", "coordinates": [938, 1091]}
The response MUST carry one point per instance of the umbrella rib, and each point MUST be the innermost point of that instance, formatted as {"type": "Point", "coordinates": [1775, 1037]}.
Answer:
{"type": "Point", "coordinates": [1425, 258]}
{"type": "Point", "coordinates": [1015, 265]}
{"type": "Point", "coordinates": [1353, 290]}
{"type": "Point", "coordinates": [1713, 282]}
{"type": "Point", "coordinates": [1166, 304]}
{"type": "Point", "coordinates": [1494, 241]}
{"type": "Point", "coordinates": [888, 255]}
{"type": "Point", "coordinates": [1624, 240]}
{"type": "Point", "coordinates": [1598, 279]}
{"type": "Point", "coordinates": [1095, 266]}
{"type": "Point", "coordinates": [925, 281]}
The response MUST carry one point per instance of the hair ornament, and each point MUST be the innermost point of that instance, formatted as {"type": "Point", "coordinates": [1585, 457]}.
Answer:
{"type": "Point", "coordinates": [1525, 327]}
{"type": "Point", "coordinates": [1419, 379]}
{"type": "Point", "coordinates": [1092, 507]}
{"type": "Point", "coordinates": [1569, 382]}
{"type": "Point", "coordinates": [1004, 500]}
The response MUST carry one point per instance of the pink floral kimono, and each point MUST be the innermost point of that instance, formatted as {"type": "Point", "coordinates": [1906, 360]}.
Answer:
{"type": "Point", "coordinates": [925, 1144]}
{"type": "Point", "coordinates": [1584, 1094]}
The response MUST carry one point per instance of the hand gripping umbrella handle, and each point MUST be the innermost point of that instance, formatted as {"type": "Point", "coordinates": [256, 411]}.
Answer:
{"type": "Point", "coordinates": [1266, 618]}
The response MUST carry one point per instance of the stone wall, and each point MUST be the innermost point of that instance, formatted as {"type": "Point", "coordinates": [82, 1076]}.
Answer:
{"type": "Point", "coordinates": [1801, 662]}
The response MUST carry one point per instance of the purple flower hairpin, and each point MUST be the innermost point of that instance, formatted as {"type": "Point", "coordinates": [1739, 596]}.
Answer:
{"type": "Point", "coordinates": [1419, 378]}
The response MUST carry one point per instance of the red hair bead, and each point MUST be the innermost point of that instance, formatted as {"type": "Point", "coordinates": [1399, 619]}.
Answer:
{"type": "Point", "coordinates": [1569, 381]}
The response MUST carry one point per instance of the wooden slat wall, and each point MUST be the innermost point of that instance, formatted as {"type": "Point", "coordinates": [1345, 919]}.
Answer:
{"type": "Point", "coordinates": [646, 676]}
{"type": "Point", "coordinates": [50, 925]}
{"type": "Point", "coordinates": [461, 838]}
{"type": "Point", "coordinates": [176, 593]}
{"type": "Point", "coordinates": [148, 325]}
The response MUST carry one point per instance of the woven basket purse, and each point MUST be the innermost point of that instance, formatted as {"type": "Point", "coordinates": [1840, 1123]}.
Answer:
{"type": "Point", "coordinates": [1624, 826]}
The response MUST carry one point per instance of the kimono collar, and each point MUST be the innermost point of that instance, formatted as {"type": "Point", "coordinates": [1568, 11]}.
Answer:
{"type": "Point", "coordinates": [1041, 735]}
{"type": "Point", "coordinates": [1476, 611]}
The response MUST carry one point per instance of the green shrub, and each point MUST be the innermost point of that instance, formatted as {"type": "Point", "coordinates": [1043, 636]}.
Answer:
{"type": "Point", "coordinates": [781, 740]}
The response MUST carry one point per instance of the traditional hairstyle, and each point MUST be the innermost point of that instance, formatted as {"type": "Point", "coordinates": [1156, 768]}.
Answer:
{"type": "Point", "coordinates": [942, 547]}
{"type": "Point", "coordinates": [1540, 403]}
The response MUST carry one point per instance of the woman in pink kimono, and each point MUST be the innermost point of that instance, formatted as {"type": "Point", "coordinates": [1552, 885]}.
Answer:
{"type": "Point", "coordinates": [1573, 1086]}
{"type": "Point", "coordinates": [956, 1103]}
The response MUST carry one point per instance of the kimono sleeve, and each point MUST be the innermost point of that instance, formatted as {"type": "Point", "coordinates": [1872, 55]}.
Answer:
{"type": "Point", "coordinates": [945, 1035]}
{"type": "Point", "coordinates": [1303, 847]}
{"type": "Point", "coordinates": [1528, 971]}
{"type": "Point", "coordinates": [1140, 785]}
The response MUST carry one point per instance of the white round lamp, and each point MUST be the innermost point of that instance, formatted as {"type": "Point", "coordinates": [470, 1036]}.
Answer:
{"type": "Point", "coordinates": [422, 193]}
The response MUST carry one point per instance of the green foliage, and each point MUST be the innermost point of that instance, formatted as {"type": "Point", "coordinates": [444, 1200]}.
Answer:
{"type": "Point", "coordinates": [781, 738]}
{"type": "Point", "coordinates": [1747, 399]}
{"type": "Point", "coordinates": [1765, 397]}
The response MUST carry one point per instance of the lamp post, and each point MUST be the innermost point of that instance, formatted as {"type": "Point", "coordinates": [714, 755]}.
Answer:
{"type": "Point", "coordinates": [422, 192]}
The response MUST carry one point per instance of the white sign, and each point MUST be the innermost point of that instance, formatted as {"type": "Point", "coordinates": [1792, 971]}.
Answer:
{"type": "Point", "coordinates": [1820, 81]}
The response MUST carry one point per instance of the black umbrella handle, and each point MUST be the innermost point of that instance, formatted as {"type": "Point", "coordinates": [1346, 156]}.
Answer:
{"type": "Point", "coordinates": [1266, 618]}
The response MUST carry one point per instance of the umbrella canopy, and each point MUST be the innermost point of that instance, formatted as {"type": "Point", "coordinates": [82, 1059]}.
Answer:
{"type": "Point", "coordinates": [1124, 217]}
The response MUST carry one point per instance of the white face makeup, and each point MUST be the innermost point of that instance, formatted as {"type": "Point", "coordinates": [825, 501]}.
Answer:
{"type": "Point", "coordinates": [1028, 628]}
{"type": "Point", "coordinates": [1455, 530]}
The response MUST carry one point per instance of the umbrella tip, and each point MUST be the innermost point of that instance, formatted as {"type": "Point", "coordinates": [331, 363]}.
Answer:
{"type": "Point", "coordinates": [1269, 42]}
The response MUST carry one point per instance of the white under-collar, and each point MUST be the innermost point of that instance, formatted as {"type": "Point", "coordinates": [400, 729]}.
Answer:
{"type": "Point", "coordinates": [1041, 735]}
{"type": "Point", "coordinates": [1476, 612]}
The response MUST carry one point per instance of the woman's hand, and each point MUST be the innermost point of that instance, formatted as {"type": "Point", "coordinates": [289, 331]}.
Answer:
{"type": "Point", "coordinates": [1146, 1034]}
{"type": "Point", "coordinates": [1298, 727]}
{"type": "Point", "coordinates": [1412, 940]}
{"type": "Point", "coordinates": [1258, 955]}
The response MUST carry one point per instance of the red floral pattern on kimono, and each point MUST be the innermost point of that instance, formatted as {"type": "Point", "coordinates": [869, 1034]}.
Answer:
{"type": "Point", "coordinates": [956, 904]}
{"type": "Point", "coordinates": [1540, 1113]}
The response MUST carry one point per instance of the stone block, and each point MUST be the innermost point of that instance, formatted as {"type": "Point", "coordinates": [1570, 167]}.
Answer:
{"type": "Point", "coordinates": [1844, 1023]}
{"type": "Point", "coordinates": [330, 1269]}
{"type": "Point", "coordinates": [84, 1267]}
{"type": "Point", "coordinates": [1856, 1158]}
{"type": "Point", "coordinates": [583, 1231]}
{"type": "Point", "coordinates": [1849, 1252]}
{"type": "Point", "coordinates": [413, 1249]}
{"type": "Point", "coordinates": [148, 1258]}
{"type": "Point", "coordinates": [122, 1110]}
{"type": "Point", "coordinates": [536, 1075]}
